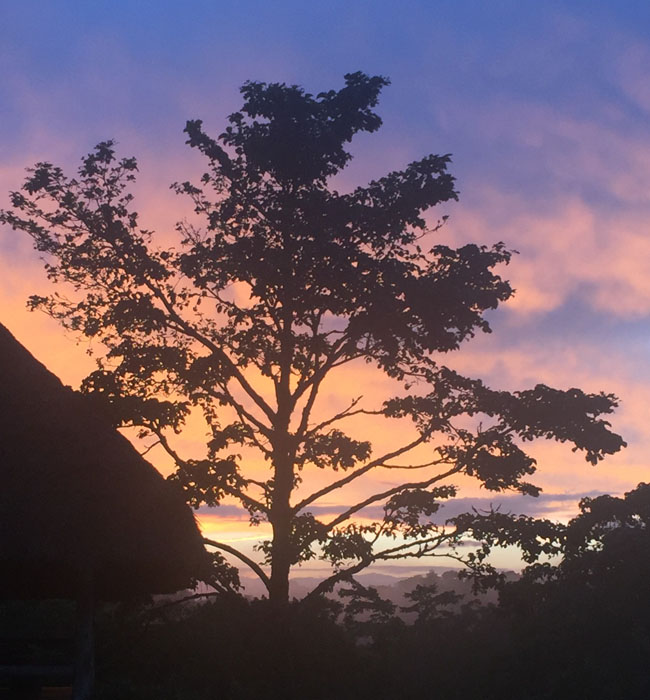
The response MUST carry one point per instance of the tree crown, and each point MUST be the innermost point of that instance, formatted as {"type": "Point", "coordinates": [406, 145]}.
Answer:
{"type": "Point", "coordinates": [285, 281]}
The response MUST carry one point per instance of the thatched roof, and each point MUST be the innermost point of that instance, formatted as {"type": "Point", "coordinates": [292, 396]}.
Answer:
{"type": "Point", "coordinates": [76, 496]}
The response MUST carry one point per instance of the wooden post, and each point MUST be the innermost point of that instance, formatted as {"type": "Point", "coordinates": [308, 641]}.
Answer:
{"type": "Point", "coordinates": [84, 671]}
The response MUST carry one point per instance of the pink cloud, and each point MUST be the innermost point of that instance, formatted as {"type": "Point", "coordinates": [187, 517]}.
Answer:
{"type": "Point", "coordinates": [568, 247]}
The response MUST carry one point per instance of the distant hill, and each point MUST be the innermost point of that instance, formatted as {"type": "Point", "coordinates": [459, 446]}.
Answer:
{"type": "Point", "coordinates": [393, 588]}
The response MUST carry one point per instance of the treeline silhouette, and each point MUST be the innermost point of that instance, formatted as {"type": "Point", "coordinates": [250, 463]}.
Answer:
{"type": "Point", "coordinates": [578, 628]}
{"type": "Point", "coordinates": [545, 639]}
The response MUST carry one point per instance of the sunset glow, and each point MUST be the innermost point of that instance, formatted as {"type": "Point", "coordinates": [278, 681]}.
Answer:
{"type": "Point", "coordinates": [545, 110]}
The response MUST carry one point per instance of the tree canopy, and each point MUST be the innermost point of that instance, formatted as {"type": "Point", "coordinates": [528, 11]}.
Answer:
{"type": "Point", "coordinates": [278, 281]}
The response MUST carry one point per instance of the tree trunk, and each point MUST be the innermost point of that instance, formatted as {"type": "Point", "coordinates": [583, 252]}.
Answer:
{"type": "Point", "coordinates": [281, 522]}
{"type": "Point", "coordinates": [283, 466]}
{"type": "Point", "coordinates": [280, 564]}
{"type": "Point", "coordinates": [280, 613]}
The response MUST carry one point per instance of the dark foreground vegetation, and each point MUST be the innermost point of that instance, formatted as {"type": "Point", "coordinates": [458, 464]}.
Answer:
{"type": "Point", "coordinates": [572, 645]}
{"type": "Point", "coordinates": [580, 629]}
{"type": "Point", "coordinates": [543, 641]}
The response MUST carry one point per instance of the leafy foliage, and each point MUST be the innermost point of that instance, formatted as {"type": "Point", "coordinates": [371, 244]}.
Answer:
{"type": "Point", "coordinates": [279, 281]}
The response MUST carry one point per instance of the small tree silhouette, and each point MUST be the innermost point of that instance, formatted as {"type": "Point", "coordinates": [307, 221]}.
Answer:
{"type": "Point", "coordinates": [287, 281]}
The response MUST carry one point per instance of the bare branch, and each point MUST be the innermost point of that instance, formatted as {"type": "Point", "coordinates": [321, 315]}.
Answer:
{"type": "Point", "coordinates": [164, 443]}
{"type": "Point", "coordinates": [157, 610]}
{"type": "Point", "coordinates": [242, 413]}
{"type": "Point", "coordinates": [309, 404]}
{"type": "Point", "coordinates": [403, 550]}
{"type": "Point", "coordinates": [346, 413]}
{"type": "Point", "coordinates": [242, 557]}
{"type": "Point", "coordinates": [412, 466]}
{"type": "Point", "coordinates": [359, 472]}
{"type": "Point", "coordinates": [148, 449]}
{"type": "Point", "coordinates": [328, 584]}
{"type": "Point", "coordinates": [261, 484]}
{"type": "Point", "coordinates": [390, 492]}
{"type": "Point", "coordinates": [334, 354]}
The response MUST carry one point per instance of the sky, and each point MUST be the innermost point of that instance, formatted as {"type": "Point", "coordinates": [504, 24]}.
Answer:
{"type": "Point", "coordinates": [545, 108]}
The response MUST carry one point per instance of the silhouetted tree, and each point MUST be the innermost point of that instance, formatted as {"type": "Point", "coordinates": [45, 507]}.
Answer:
{"type": "Point", "coordinates": [605, 549]}
{"type": "Point", "coordinates": [285, 281]}
{"type": "Point", "coordinates": [580, 627]}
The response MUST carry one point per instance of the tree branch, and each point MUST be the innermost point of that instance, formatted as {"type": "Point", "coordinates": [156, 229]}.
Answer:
{"type": "Point", "coordinates": [242, 557]}
{"type": "Point", "coordinates": [412, 466]}
{"type": "Point", "coordinates": [186, 328]}
{"type": "Point", "coordinates": [401, 551]}
{"type": "Point", "coordinates": [328, 584]}
{"type": "Point", "coordinates": [242, 413]}
{"type": "Point", "coordinates": [157, 610]}
{"type": "Point", "coordinates": [343, 414]}
{"type": "Point", "coordinates": [359, 472]}
{"type": "Point", "coordinates": [243, 497]}
{"type": "Point", "coordinates": [319, 374]}
{"type": "Point", "coordinates": [148, 449]}
{"type": "Point", "coordinates": [390, 492]}
{"type": "Point", "coordinates": [190, 331]}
